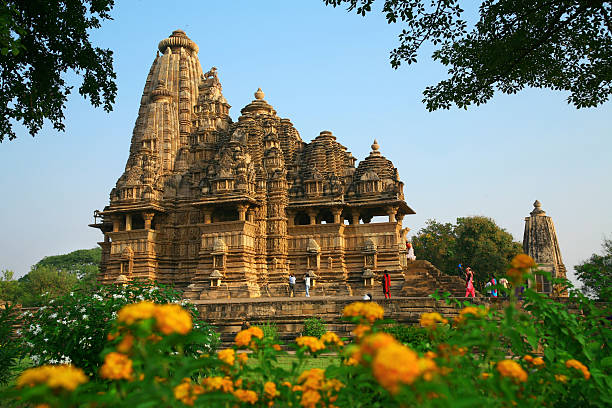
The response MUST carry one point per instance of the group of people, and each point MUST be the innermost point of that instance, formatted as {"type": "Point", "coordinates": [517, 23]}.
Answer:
{"type": "Point", "coordinates": [490, 286]}
{"type": "Point", "coordinates": [386, 282]}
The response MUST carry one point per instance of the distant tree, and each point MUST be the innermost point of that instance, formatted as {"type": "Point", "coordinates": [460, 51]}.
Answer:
{"type": "Point", "coordinates": [477, 242]}
{"type": "Point", "coordinates": [84, 263]}
{"type": "Point", "coordinates": [46, 281]}
{"type": "Point", "coordinates": [40, 41]}
{"type": "Point", "coordinates": [10, 290]}
{"type": "Point", "coordinates": [436, 243]}
{"type": "Point", "coordinates": [596, 274]}
{"type": "Point", "coordinates": [560, 45]}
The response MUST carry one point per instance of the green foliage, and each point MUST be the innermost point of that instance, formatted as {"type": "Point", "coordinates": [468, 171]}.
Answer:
{"type": "Point", "coordinates": [10, 290]}
{"type": "Point", "coordinates": [596, 274]}
{"type": "Point", "coordinates": [559, 45]}
{"type": "Point", "coordinates": [314, 326]}
{"type": "Point", "coordinates": [270, 331]}
{"type": "Point", "coordinates": [45, 281]}
{"type": "Point", "coordinates": [84, 263]}
{"type": "Point", "coordinates": [74, 327]}
{"type": "Point", "coordinates": [10, 344]}
{"type": "Point", "coordinates": [476, 241]}
{"type": "Point", "coordinates": [41, 42]}
{"type": "Point", "coordinates": [415, 337]}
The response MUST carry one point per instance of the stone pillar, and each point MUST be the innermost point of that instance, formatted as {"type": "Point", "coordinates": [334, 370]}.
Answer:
{"type": "Point", "coordinates": [207, 214]}
{"type": "Point", "coordinates": [337, 213]}
{"type": "Point", "coordinates": [148, 217]}
{"type": "Point", "coordinates": [290, 219]}
{"type": "Point", "coordinates": [250, 215]}
{"type": "Point", "coordinates": [355, 217]}
{"type": "Point", "coordinates": [128, 222]}
{"type": "Point", "coordinates": [313, 216]}
{"type": "Point", "coordinates": [391, 213]}
{"type": "Point", "coordinates": [242, 209]}
{"type": "Point", "coordinates": [116, 223]}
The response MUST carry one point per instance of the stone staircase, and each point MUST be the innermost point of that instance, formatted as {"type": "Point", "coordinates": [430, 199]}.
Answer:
{"type": "Point", "coordinates": [423, 279]}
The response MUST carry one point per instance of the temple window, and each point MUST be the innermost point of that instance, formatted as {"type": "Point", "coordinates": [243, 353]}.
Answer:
{"type": "Point", "coordinates": [542, 284]}
{"type": "Point", "coordinates": [224, 214]}
{"type": "Point", "coordinates": [302, 218]}
{"type": "Point", "coordinates": [137, 222]}
{"type": "Point", "coordinates": [325, 217]}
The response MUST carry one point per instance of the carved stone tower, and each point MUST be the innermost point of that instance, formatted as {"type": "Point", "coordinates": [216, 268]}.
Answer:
{"type": "Point", "coordinates": [228, 209]}
{"type": "Point", "coordinates": [540, 242]}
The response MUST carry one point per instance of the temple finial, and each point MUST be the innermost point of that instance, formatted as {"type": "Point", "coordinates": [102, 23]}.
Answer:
{"type": "Point", "coordinates": [375, 146]}
{"type": "Point", "coordinates": [259, 94]}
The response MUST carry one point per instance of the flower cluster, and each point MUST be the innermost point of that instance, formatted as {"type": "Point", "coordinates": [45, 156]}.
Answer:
{"type": "Point", "coordinates": [521, 265]}
{"type": "Point", "coordinates": [313, 383]}
{"type": "Point", "coordinates": [431, 320]}
{"type": "Point", "coordinates": [243, 338]}
{"type": "Point", "coordinates": [57, 377]}
{"type": "Point", "coordinates": [312, 343]}
{"type": "Point", "coordinates": [187, 392]}
{"type": "Point", "coordinates": [470, 311]}
{"type": "Point", "coordinates": [117, 366]}
{"type": "Point", "coordinates": [511, 369]}
{"type": "Point", "coordinates": [332, 338]}
{"type": "Point", "coordinates": [578, 366]}
{"type": "Point", "coordinates": [369, 311]}
{"type": "Point", "coordinates": [169, 318]}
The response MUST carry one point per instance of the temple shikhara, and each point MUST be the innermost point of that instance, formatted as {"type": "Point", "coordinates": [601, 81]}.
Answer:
{"type": "Point", "coordinates": [228, 209]}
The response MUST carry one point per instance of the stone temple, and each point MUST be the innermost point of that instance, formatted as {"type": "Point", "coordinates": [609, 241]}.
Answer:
{"type": "Point", "coordinates": [540, 243]}
{"type": "Point", "coordinates": [227, 209]}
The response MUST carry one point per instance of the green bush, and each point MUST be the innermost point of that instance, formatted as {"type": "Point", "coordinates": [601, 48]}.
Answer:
{"type": "Point", "coordinates": [74, 328]}
{"type": "Point", "coordinates": [415, 337]}
{"type": "Point", "coordinates": [270, 331]}
{"type": "Point", "coordinates": [10, 344]}
{"type": "Point", "coordinates": [314, 326]}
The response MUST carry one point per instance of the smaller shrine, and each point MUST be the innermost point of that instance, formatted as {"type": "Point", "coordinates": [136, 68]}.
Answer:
{"type": "Point", "coordinates": [540, 243]}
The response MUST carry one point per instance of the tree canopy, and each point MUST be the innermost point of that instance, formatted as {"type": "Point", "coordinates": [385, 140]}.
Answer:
{"type": "Point", "coordinates": [561, 45]}
{"type": "Point", "coordinates": [40, 41]}
{"type": "Point", "coordinates": [596, 274]}
{"type": "Point", "coordinates": [54, 275]}
{"type": "Point", "coordinates": [476, 241]}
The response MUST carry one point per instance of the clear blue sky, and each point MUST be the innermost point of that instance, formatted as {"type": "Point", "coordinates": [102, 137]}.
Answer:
{"type": "Point", "coordinates": [325, 70]}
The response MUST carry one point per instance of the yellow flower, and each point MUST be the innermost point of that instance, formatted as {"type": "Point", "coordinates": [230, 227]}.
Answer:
{"type": "Point", "coordinates": [578, 366]}
{"type": "Point", "coordinates": [375, 342]}
{"type": "Point", "coordinates": [528, 358]}
{"type": "Point", "coordinates": [430, 320]}
{"type": "Point", "coordinates": [522, 261]}
{"type": "Point", "coordinates": [246, 396]}
{"type": "Point", "coordinates": [55, 376]}
{"type": "Point", "coordinates": [310, 398]}
{"type": "Point", "coordinates": [368, 310]}
{"type": "Point", "coordinates": [223, 384]}
{"type": "Point", "coordinates": [186, 392]}
{"type": "Point", "coordinates": [561, 378]}
{"type": "Point", "coordinates": [360, 330]}
{"type": "Point", "coordinates": [312, 343]}
{"type": "Point", "coordinates": [270, 390]}
{"type": "Point", "coordinates": [116, 366]}
{"type": "Point", "coordinates": [228, 356]}
{"type": "Point", "coordinates": [172, 318]}
{"type": "Point", "coordinates": [332, 385]}
{"type": "Point", "coordinates": [286, 384]}
{"type": "Point", "coordinates": [394, 365]}
{"type": "Point", "coordinates": [130, 314]}
{"type": "Point", "coordinates": [430, 354]}
{"type": "Point", "coordinates": [484, 376]}
{"type": "Point", "coordinates": [126, 343]}
{"type": "Point", "coordinates": [538, 362]}
{"type": "Point", "coordinates": [243, 338]}
{"type": "Point", "coordinates": [331, 338]}
{"type": "Point", "coordinates": [242, 358]}
{"type": "Point", "coordinates": [512, 370]}
{"type": "Point", "coordinates": [470, 310]}
{"type": "Point", "coordinates": [312, 379]}
{"type": "Point", "coordinates": [276, 347]}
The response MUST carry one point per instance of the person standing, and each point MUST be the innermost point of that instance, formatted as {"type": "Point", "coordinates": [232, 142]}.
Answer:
{"type": "Point", "coordinates": [504, 283]}
{"type": "Point", "coordinates": [494, 290]}
{"type": "Point", "coordinates": [387, 285]}
{"type": "Point", "coordinates": [410, 254]}
{"type": "Point", "coordinates": [488, 289]}
{"type": "Point", "coordinates": [291, 284]}
{"type": "Point", "coordinates": [469, 277]}
{"type": "Point", "coordinates": [307, 284]}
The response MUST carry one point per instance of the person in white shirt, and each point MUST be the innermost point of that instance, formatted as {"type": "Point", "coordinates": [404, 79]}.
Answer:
{"type": "Point", "coordinates": [291, 284]}
{"type": "Point", "coordinates": [307, 283]}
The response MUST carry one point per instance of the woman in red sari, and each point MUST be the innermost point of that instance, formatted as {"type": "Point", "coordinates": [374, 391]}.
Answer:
{"type": "Point", "coordinates": [387, 285]}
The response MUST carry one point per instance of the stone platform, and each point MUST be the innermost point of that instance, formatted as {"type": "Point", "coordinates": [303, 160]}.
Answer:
{"type": "Point", "coordinates": [288, 313]}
